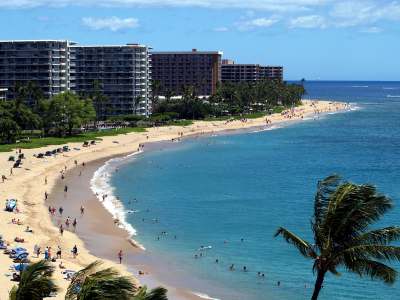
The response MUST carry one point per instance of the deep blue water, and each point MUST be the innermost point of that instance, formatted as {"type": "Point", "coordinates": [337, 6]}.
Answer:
{"type": "Point", "coordinates": [214, 189]}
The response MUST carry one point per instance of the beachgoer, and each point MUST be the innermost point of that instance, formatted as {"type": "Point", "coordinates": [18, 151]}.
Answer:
{"type": "Point", "coordinates": [76, 162]}
{"type": "Point", "coordinates": [232, 267]}
{"type": "Point", "coordinates": [60, 210]}
{"type": "Point", "coordinates": [61, 266]}
{"type": "Point", "coordinates": [11, 171]}
{"type": "Point", "coordinates": [74, 251]}
{"type": "Point", "coordinates": [61, 229]}
{"type": "Point", "coordinates": [74, 223]}
{"type": "Point", "coordinates": [82, 210]}
{"type": "Point", "coordinates": [46, 195]}
{"type": "Point", "coordinates": [45, 180]}
{"type": "Point", "coordinates": [36, 250]}
{"type": "Point", "coordinates": [3, 177]}
{"type": "Point", "coordinates": [59, 252]}
{"type": "Point", "coordinates": [62, 176]}
{"type": "Point", "coordinates": [120, 256]}
{"type": "Point", "coordinates": [244, 269]}
{"type": "Point", "coordinates": [46, 254]}
{"type": "Point", "coordinates": [65, 188]}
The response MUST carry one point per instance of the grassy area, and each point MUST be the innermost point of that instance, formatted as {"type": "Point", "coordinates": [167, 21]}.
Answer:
{"type": "Point", "coordinates": [89, 136]}
{"type": "Point", "coordinates": [180, 123]}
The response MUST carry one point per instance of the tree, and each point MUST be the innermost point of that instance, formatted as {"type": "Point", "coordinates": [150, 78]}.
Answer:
{"type": "Point", "coordinates": [343, 213]}
{"type": "Point", "coordinates": [92, 283]}
{"type": "Point", "coordinates": [9, 130]}
{"type": "Point", "coordinates": [67, 111]}
{"type": "Point", "coordinates": [158, 293]}
{"type": "Point", "coordinates": [35, 283]}
{"type": "Point", "coordinates": [156, 88]}
{"type": "Point", "coordinates": [100, 101]}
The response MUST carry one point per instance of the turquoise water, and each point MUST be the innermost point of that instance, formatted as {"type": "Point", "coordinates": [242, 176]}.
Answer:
{"type": "Point", "coordinates": [217, 190]}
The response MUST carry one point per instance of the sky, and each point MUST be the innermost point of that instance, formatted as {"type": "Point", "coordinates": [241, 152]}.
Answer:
{"type": "Point", "coordinates": [312, 39]}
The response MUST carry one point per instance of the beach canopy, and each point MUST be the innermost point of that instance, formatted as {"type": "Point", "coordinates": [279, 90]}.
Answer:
{"type": "Point", "coordinates": [11, 204]}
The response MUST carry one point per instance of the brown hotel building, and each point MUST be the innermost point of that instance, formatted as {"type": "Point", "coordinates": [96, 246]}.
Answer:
{"type": "Point", "coordinates": [176, 70]}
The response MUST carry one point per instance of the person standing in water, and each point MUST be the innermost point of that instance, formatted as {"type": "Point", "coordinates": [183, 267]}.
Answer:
{"type": "Point", "coordinates": [120, 256]}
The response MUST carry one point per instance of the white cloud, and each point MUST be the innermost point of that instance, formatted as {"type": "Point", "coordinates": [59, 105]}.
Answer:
{"type": "Point", "coordinates": [257, 23]}
{"type": "Point", "coordinates": [273, 5]}
{"type": "Point", "coordinates": [355, 13]}
{"type": "Point", "coordinates": [111, 23]}
{"type": "Point", "coordinates": [311, 21]}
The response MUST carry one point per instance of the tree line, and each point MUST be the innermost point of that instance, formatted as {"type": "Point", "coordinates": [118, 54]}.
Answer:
{"type": "Point", "coordinates": [231, 99]}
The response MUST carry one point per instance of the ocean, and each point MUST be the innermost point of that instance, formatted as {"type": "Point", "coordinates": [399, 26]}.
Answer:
{"type": "Point", "coordinates": [229, 193]}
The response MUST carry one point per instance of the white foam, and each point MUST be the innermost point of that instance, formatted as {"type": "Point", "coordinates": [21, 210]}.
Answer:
{"type": "Point", "coordinates": [204, 296]}
{"type": "Point", "coordinates": [100, 185]}
{"type": "Point", "coordinates": [392, 96]}
{"type": "Point", "coordinates": [359, 86]}
{"type": "Point", "coordinates": [267, 128]}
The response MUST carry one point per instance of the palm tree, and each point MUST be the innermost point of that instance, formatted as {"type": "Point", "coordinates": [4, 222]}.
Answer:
{"type": "Point", "coordinates": [343, 213]}
{"type": "Point", "coordinates": [158, 293]}
{"type": "Point", "coordinates": [35, 283]}
{"type": "Point", "coordinates": [92, 283]}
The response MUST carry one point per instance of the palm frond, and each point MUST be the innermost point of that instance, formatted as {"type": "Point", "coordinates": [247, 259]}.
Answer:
{"type": "Point", "coordinates": [304, 247]}
{"type": "Point", "coordinates": [381, 252]}
{"type": "Point", "coordinates": [91, 283]}
{"type": "Point", "coordinates": [374, 269]}
{"type": "Point", "coordinates": [36, 282]}
{"type": "Point", "coordinates": [158, 293]}
{"type": "Point", "coordinates": [325, 189]}
{"type": "Point", "coordinates": [382, 236]}
{"type": "Point", "coordinates": [361, 206]}
{"type": "Point", "coordinates": [13, 293]}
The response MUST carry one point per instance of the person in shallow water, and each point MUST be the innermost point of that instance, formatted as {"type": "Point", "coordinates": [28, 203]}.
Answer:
{"type": "Point", "coordinates": [120, 256]}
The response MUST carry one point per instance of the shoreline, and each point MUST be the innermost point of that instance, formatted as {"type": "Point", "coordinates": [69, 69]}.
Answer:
{"type": "Point", "coordinates": [27, 184]}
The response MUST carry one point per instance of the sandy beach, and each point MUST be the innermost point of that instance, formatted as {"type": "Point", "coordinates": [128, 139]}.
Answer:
{"type": "Point", "coordinates": [95, 227]}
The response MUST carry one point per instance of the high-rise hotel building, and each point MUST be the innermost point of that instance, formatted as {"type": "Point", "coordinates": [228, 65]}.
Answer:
{"type": "Point", "coordinates": [121, 73]}
{"type": "Point", "coordinates": [175, 71]}
{"type": "Point", "coordinates": [43, 62]}
{"type": "Point", "coordinates": [232, 72]}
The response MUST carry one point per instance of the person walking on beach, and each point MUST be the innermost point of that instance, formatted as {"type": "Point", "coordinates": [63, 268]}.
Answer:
{"type": "Point", "coordinates": [66, 188]}
{"type": "Point", "coordinates": [61, 229]}
{"type": "Point", "coordinates": [74, 223]}
{"type": "Point", "coordinates": [11, 171]}
{"type": "Point", "coordinates": [82, 210]}
{"type": "Point", "coordinates": [120, 256]}
{"type": "Point", "coordinates": [45, 180]}
{"type": "Point", "coordinates": [36, 250]}
{"type": "Point", "coordinates": [59, 252]}
{"type": "Point", "coordinates": [60, 210]}
{"type": "Point", "coordinates": [46, 195]}
{"type": "Point", "coordinates": [74, 251]}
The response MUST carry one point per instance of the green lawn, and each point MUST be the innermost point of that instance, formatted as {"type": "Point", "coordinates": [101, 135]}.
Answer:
{"type": "Point", "coordinates": [95, 135]}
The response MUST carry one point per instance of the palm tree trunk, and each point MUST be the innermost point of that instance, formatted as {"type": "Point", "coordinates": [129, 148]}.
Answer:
{"type": "Point", "coordinates": [318, 284]}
